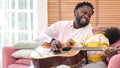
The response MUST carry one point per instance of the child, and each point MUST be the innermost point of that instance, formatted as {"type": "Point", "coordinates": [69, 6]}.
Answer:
{"type": "Point", "coordinates": [103, 37]}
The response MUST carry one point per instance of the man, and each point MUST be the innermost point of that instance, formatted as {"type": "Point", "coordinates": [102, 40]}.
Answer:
{"type": "Point", "coordinates": [63, 31]}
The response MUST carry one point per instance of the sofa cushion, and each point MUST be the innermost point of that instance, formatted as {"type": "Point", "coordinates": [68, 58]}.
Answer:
{"type": "Point", "coordinates": [23, 61]}
{"type": "Point", "coordinates": [18, 66]}
{"type": "Point", "coordinates": [24, 53]}
{"type": "Point", "coordinates": [26, 44]}
{"type": "Point", "coordinates": [116, 43]}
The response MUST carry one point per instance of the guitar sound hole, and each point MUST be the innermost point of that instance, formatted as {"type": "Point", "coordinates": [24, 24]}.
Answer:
{"type": "Point", "coordinates": [66, 48]}
{"type": "Point", "coordinates": [57, 51]}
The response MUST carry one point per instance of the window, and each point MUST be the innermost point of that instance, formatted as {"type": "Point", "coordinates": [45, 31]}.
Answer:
{"type": "Point", "coordinates": [16, 23]}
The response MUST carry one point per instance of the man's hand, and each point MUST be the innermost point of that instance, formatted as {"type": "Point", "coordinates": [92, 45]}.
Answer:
{"type": "Point", "coordinates": [55, 45]}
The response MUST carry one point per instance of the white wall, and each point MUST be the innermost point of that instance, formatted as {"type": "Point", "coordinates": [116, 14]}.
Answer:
{"type": "Point", "coordinates": [42, 15]}
{"type": "Point", "coordinates": [1, 58]}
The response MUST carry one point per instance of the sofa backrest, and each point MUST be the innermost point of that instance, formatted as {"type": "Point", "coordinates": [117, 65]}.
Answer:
{"type": "Point", "coordinates": [116, 43]}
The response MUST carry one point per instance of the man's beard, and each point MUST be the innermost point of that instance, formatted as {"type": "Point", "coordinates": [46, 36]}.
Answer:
{"type": "Point", "coordinates": [81, 24]}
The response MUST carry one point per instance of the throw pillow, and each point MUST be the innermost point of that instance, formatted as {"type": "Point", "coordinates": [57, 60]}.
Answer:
{"type": "Point", "coordinates": [26, 44]}
{"type": "Point", "coordinates": [24, 53]}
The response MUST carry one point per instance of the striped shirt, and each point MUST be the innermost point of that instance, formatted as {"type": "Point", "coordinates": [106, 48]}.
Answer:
{"type": "Point", "coordinates": [98, 40]}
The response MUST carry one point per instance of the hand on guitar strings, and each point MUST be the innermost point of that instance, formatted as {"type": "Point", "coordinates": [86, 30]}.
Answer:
{"type": "Point", "coordinates": [55, 46]}
{"type": "Point", "coordinates": [111, 51]}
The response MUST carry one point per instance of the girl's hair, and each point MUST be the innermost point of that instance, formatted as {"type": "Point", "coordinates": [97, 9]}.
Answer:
{"type": "Point", "coordinates": [113, 34]}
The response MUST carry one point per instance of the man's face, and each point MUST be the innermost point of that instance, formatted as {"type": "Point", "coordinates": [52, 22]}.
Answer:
{"type": "Point", "coordinates": [83, 15]}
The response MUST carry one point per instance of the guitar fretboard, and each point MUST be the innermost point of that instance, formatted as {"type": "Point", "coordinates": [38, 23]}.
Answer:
{"type": "Point", "coordinates": [91, 48]}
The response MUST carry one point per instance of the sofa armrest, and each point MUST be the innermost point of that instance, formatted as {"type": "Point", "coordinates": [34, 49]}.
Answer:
{"type": "Point", "coordinates": [6, 55]}
{"type": "Point", "coordinates": [114, 62]}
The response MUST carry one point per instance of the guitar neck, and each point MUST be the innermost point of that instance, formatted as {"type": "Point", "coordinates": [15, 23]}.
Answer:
{"type": "Point", "coordinates": [88, 48]}
{"type": "Point", "coordinates": [91, 48]}
{"type": "Point", "coordinates": [83, 48]}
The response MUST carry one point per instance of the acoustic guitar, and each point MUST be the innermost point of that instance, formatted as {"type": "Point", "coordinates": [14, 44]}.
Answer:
{"type": "Point", "coordinates": [74, 57]}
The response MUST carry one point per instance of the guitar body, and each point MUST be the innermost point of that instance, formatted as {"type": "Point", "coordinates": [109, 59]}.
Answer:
{"type": "Point", "coordinates": [72, 58]}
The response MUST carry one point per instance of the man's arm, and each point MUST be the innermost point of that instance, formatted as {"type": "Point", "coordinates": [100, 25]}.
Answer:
{"type": "Point", "coordinates": [47, 35]}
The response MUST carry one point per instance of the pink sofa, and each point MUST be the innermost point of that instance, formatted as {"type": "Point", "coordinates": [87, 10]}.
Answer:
{"type": "Point", "coordinates": [114, 62]}
{"type": "Point", "coordinates": [11, 62]}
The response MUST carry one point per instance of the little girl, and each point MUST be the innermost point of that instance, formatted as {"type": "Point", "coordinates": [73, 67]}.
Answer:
{"type": "Point", "coordinates": [103, 37]}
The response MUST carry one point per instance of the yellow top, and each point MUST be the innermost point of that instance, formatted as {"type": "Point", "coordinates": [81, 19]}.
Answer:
{"type": "Point", "coordinates": [98, 40]}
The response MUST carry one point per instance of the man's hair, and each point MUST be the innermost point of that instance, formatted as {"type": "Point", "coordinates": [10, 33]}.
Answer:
{"type": "Point", "coordinates": [81, 4]}
{"type": "Point", "coordinates": [113, 34]}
